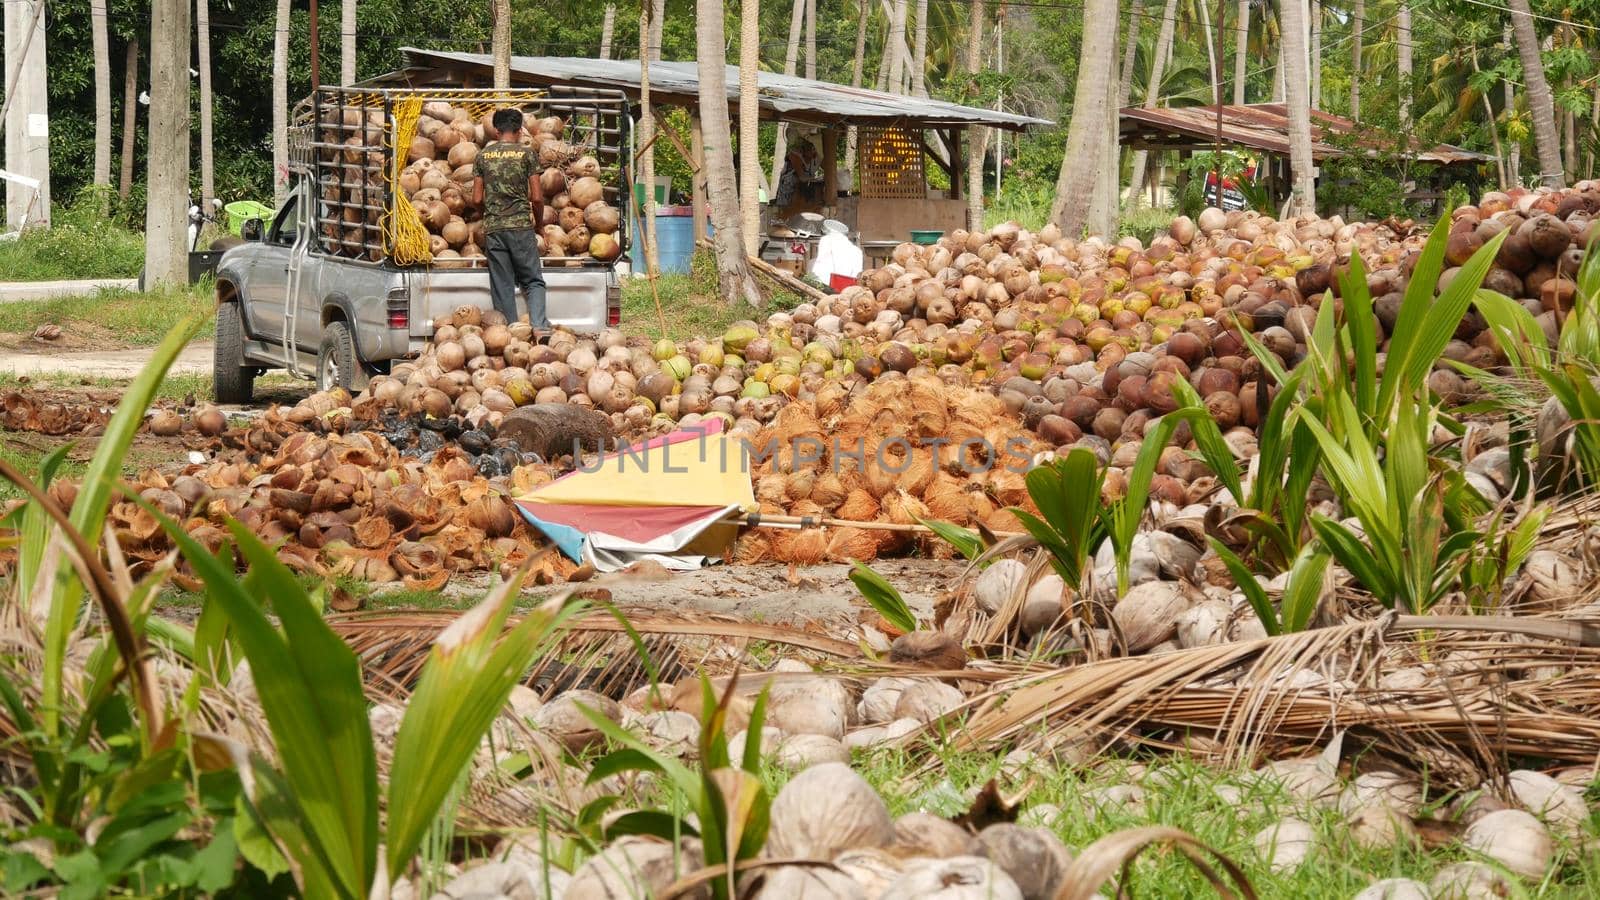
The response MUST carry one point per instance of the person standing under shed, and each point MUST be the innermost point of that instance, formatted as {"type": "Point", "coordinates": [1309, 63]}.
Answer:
{"type": "Point", "coordinates": [506, 188]}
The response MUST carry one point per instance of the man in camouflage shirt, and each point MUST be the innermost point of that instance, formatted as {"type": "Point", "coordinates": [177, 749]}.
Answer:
{"type": "Point", "coordinates": [507, 190]}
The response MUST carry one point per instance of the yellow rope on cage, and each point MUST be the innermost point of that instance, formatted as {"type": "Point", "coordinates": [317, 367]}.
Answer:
{"type": "Point", "coordinates": [404, 239]}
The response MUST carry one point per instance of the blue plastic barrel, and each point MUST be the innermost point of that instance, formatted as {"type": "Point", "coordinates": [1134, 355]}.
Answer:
{"type": "Point", "coordinates": [674, 237]}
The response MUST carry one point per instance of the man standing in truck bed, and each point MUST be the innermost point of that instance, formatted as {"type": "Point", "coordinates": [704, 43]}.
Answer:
{"type": "Point", "coordinates": [507, 190]}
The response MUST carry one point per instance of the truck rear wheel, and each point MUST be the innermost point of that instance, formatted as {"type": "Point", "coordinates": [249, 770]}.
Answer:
{"type": "Point", "coordinates": [231, 380]}
{"type": "Point", "coordinates": [336, 359]}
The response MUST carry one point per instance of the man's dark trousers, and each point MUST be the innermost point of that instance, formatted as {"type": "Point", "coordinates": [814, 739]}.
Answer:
{"type": "Point", "coordinates": [513, 263]}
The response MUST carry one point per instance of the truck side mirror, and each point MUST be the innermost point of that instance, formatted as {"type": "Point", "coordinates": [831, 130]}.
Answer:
{"type": "Point", "coordinates": [252, 229]}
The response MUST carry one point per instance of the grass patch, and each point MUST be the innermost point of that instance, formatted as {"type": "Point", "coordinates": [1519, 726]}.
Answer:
{"type": "Point", "coordinates": [173, 388]}
{"type": "Point", "coordinates": [690, 304]}
{"type": "Point", "coordinates": [81, 243]}
{"type": "Point", "coordinates": [129, 317]}
{"type": "Point", "coordinates": [25, 458]}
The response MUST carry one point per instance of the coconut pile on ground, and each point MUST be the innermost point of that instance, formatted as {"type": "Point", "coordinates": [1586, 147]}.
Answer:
{"type": "Point", "coordinates": [440, 168]}
{"type": "Point", "coordinates": [340, 504]}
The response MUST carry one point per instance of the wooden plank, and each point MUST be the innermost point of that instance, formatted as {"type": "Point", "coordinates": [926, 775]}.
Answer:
{"type": "Point", "coordinates": [785, 279]}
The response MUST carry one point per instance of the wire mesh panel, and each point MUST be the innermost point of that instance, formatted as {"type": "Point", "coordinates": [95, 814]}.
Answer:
{"type": "Point", "coordinates": [891, 164]}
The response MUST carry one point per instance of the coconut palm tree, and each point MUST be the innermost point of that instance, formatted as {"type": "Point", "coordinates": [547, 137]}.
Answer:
{"type": "Point", "coordinates": [749, 125]}
{"type": "Point", "coordinates": [733, 270]}
{"type": "Point", "coordinates": [977, 135]}
{"type": "Point", "coordinates": [791, 53]}
{"type": "Point", "coordinates": [130, 116]}
{"type": "Point", "coordinates": [347, 42]}
{"type": "Point", "coordinates": [650, 13]}
{"type": "Point", "coordinates": [1541, 107]}
{"type": "Point", "coordinates": [202, 27]}
{"type": "Point", "coordinates": [811, 39]}
{"type": "Point", "coordinates": [1296, 79]}
{"type": "Point", "coordinates": [1088, 146]}
{"type": "Point", "coordinates": [280, 100]}
{"type": "Point", "coordinates": [500, 42]}
{"type": "Point", "coordinates": [919, 52]}
{"type": "Point", "coordinates": [895, 47]}
{"type": "Point", "coordinates": [858, 69]}
{"type": "Point", "coordinates": [1152, 90]}
{"type": "Point", "coordinates": [102, 92]}
{"type": "Point", "coordinates": [1130, 50]}
{"type": "Point", "coordinates": [167, 165]}
{"type": "Point", "coordinates": [1358, 24]}
{"type": "Point", "coordinates": [608, 25]}
{"type": "Point", "coordinates": [1403, 66]}
{"type": "Point", "coordinates": [1316, 54]}
{"type": "Point", "coordinates": [1241, 43]}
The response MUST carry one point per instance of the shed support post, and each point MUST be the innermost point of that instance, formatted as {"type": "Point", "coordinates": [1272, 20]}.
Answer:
{"type": "Point", "coordinates": [830, 168]}
{"type": "Point", "coordinates": [953, 141]}
{"type": "Point", "coordinates": [697, 148]}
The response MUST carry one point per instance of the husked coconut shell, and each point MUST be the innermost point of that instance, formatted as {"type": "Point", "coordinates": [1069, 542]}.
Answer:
{"type": "Point", "coordinates": [563, 719]}
{"type": "Point", "coordinates": [1514, 839]}
{"type": "Point", "coordinates": [927, 700]}
{"type": "Point", "coordinates": [925, 834]}
{"type": "Point", "coordinates": [810, 706]}
{"type": "Point", "coordinates": [1148, 614]}
{"type": "Point", "coordinates": [825, 810]}
{"type": "Point", "coordinates": [958, 878]}
{"type": "Point", "coordinates": [635, 866]}
{"type": "Point", "coordinates": [1034, 858]}
{"type": "Point", "coordinates": [809, 883]}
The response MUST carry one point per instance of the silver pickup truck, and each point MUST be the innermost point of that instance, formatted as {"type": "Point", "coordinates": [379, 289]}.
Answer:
{"type": "Point", "coordinates": [283, 304]}
{"type": "Point", "coordinates": [314, 291]}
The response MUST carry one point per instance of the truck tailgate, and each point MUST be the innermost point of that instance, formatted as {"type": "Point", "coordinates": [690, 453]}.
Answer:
{"type": "Point", "coordinates": [576, 298]}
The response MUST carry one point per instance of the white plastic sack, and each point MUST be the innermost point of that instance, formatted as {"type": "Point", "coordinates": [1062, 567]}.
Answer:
{"type": "Point", "coordinates": [836, 256]}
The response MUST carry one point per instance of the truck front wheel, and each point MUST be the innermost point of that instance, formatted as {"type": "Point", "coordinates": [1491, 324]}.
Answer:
{"type": "Point", "coordinates": [336, 359]}
{"type": "Point", "coordinates": [231, 380]}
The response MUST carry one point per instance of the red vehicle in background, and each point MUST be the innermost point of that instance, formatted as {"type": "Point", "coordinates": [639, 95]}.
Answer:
{"type": "Point", "coordinates": [1232, 198]}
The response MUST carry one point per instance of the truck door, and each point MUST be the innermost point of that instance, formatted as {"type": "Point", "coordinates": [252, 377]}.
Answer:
{"type": "Point", "coordinates": [269, 275]}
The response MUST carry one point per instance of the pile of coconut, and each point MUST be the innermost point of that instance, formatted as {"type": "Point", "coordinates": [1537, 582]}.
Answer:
{"type": "Point", "coordinates": [840, 840]}
{"type": "Point", "coordinates": [578, 220]}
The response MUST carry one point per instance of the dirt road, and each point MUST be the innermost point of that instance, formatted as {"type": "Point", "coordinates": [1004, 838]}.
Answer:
{"type": "Point", "coordinates": [121, 364]}
{"type": "Point", "coordinates": [43, 290]}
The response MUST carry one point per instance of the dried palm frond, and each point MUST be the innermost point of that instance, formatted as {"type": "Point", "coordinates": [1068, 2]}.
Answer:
{"type": "Point", "coordinates": [1266, 697]}
{"type": "Point", "coordinates": [596, 653]}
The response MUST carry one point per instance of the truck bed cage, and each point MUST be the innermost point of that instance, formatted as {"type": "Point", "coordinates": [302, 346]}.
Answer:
{"type": "Point", "coordinates": [343, 139]}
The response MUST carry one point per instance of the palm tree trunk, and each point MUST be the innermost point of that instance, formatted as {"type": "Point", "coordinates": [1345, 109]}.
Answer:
{"type": "Point", "coordinates": [895, 47]}
{"type": "Point", "coordinates": [919, 52]}
{"type": "Point", "coordinates": [1152, 92]}
{"type": "Point", "coordinates": [649, 11]}
{"type": "Point", "coordinates": [1316, 54]}
{"type": "Point", "coordinates": [977, 136]}
{"type": "Point", "coordinates": [858, 69]}
{"type": "Point", "coordinates": [166, 220]}
{"type": "Point", "coordinates": [500, 42]}
{"type": "Point", "coordinates": [1277, 69]}
{"type": "Point", "coordinates": [1403, 64]}
{"type": "Point", "coordinates": [1130, 51]}
{"type": "Point", "coordinates": [791, 54]}
{"type": "Point", "coordinates": [1569, 118]}
{"type": "Point", "coordinates": [749, 125]}
{"type": "Point", "coordinates": [608, 27]}
{"type": "Point", "coordinates": [1514, 152]}
{"type": "Point", "coordinates": [1086, 135]}
{"type": "Point", "coordinates": [1540, 106]}
{"type": "Point", "coordinates": [1297, 87]}
{"type": "Point", "coordinates": [811, 39]}
{"type": "Point", "coordinates": [347, 42]}
{"type": "Point", "coordinates": [1358, 24]}
{"type": "Point", "coordinates": [1241, 43]}
{"type": "Point", "coordinates": [280, 101]}
{"type": "Point", "coordinates": [102, 95]}
{"type": "Point", "coordinates": [733, 270]}
{"type": "Point", "coordinates": [1494, 127]}
{"type": "Point", "coordinates": [202, 27]}
{"type": "Point", "coordinates": [130, 117]}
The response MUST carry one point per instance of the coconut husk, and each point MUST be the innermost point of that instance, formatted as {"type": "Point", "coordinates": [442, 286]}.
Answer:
{"type": "Point", "coordinates": [858, 506]}
{"type": "Point", "coordinates": [846, 544]}
{"type": "Point", "coordinates": [802, 546]}
{"type": "Point", "coordinates": [947, 499]}
{"type": "Point", "coordinates": [772, 488]}
{"type": "Point", "coordinates": [751, 547]}
{"type": "Point", "coordinates": [828, 490]}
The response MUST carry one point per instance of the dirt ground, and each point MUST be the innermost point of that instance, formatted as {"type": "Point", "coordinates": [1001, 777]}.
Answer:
{"type": "Point", "coordinates": [821, 597]}
{"type": "Point", "coordinates": [21, 354]}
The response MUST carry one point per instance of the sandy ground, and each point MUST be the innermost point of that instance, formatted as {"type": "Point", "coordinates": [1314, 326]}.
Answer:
{"type": "Point", "coordinates": [820, 596]}
{"type": "Point", "coordinates": [122, 364]}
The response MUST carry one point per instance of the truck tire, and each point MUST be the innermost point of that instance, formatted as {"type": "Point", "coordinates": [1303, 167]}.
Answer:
{"type": "Point", "coordinates": [231, 380]}
{"type": "Point", "coordinates": [336, 359]}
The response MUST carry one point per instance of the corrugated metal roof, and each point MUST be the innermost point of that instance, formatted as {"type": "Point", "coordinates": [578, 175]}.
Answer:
{"type": "Point", "coordinates": [1263, 126]}
{"type": "Point", "coordinates": [783, 97]}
